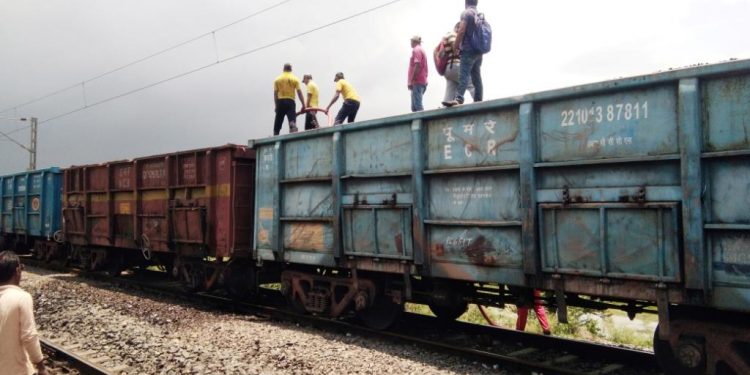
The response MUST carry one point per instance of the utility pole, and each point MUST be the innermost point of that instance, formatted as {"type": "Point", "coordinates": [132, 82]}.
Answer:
{"type": "Point", "coordinates": [32, 145]}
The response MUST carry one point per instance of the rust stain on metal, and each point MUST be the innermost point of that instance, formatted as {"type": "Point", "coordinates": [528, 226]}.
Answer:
{"type": "Point", "coordinates": [306, 236]}
{"type": "Point", "coordinates": [263, 235]}
{"type": "Point", "coordinates": [509, 139]}
{"type": "Point", "coordinates": [399, 242]}
{"type": "Point", "coordinates": [438, 250]}
{"type": "Point", "coordinates": [478, 251]}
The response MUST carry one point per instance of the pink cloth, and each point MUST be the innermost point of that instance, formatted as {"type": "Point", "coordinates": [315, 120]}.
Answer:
{"type": "Point", "coordinates": [418, 56]}
{"type": "Point", "coordinates": [541, 315]}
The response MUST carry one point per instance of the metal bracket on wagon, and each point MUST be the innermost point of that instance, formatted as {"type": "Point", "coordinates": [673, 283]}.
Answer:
{"type": "Point", "coordinates": [145, 247]}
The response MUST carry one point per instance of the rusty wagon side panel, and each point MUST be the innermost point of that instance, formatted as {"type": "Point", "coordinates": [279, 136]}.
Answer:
{"type": "Point", "coordinates": [634, 188]}
{"type": "Point", "coordinates": [390, 196]}
{"type": "Point", "coordinates": [194, 203]}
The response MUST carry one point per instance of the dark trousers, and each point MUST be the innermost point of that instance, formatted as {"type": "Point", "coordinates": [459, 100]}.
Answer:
{"type": "Point", "coordinates": [311, 121]}
{"type": "Point", "coordinates": [288, 108]}
{"type": "Point", "coordinates": [348, 112]}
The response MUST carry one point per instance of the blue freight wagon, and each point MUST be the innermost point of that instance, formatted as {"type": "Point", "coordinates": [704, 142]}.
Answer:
{"type": "Point", "coordinates": [30, 211]}
{"type": "Point", "coordinates": [631, 194]}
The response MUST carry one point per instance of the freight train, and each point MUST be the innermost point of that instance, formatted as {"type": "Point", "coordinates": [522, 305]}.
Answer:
{"type": "Point", "coordinates": [631, 194]}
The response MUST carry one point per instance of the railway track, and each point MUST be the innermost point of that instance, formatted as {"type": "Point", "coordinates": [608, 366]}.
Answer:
{"type": "Point", "coordinates": [494, 347]}
{"type": "Point", "coordinates": [65, 359]}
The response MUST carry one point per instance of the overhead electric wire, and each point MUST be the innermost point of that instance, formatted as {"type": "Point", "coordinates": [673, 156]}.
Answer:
{"type": "Point", "coordinates": [115, 70]}
{"type": "Point", "coordinates": [7, 135]}
{"type": "Point", "coordinates": [242, 54]}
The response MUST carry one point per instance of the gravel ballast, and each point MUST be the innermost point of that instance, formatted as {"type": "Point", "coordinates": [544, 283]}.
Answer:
{"type": "Point", "coordinates": [145, 335]}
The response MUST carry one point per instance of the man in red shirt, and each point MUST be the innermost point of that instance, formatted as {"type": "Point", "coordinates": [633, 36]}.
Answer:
{"type": "Point", "coordinates": [417, 80]}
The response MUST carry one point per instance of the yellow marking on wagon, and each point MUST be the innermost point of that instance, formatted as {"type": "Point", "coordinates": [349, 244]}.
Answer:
{"type": "Point", "coordinates": [124, 209]}
{"type": "Point", "coordinates": [265, 213]}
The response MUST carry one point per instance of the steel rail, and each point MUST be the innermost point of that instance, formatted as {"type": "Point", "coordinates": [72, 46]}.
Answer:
{"type": "Point", "coordinates": [83, 365]}
{"type": "Point", "coordinates": [271, 308]}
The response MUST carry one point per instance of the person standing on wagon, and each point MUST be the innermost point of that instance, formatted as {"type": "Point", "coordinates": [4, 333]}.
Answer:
{"type": "Point", "coordinates": [283, 97]}
{"type": "Point", "coordinates": [351, 100]}
{"type": "Point", "coordinates": [471, 58]}
{"type": "Point", "coordinates": [448, 64]}
{"type": "Point", "coordinates": [311, 118]}
{"type": "Point", "coordinates": [417, 79]}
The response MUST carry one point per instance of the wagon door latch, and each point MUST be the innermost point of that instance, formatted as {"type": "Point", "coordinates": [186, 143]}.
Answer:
{"type": "Point", "coordinates": [565, 195]}
{"type": "Point", "coordinates": [641, 197]}
{"type": "Point", "coordinates": [358, 201]}
{"type": "Point", "coordinates": [392, 201]}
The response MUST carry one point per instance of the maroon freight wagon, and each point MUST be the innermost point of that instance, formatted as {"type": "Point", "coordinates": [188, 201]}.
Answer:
{"type": "Point", "coordinates": [176, 210]}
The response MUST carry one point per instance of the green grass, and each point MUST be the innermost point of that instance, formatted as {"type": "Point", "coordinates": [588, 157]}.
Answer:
{"type": "Point", "coordinates": [610, 326]}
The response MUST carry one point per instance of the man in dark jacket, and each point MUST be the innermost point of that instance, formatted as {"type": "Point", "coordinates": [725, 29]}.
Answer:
{"type": "Point", "coordinates": [471, 59]}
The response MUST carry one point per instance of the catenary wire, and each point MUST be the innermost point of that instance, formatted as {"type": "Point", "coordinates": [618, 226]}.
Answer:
{"type": "Point", "coordinates": [115, 70]}
{"type": "Point", "coordinates": [242, 54]}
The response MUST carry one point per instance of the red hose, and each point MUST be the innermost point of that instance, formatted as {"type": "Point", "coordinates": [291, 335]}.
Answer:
{"type": "Point", "coordinates": [305, 110]}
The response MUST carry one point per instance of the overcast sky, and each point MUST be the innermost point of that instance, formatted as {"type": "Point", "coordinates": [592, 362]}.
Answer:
{"type": "Point", "coordinates": [538, 45]}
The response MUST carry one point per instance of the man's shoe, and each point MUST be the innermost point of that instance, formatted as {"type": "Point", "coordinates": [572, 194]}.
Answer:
{"type": "Point", "coordinates": [451, 103]}
{"type": "Point", "coordinates": [547, 333]}
{"type": "Point", "coordinates": [293, 129]}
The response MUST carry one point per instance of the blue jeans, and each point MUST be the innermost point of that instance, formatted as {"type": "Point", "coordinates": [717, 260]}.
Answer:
{"type": "Point", "coordinates": [417, 92]}
{"type": "Point", "coordinates": [471, 65]}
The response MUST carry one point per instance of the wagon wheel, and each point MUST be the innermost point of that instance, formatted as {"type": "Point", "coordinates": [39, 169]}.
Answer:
{"type": "Point", "coordinates": [41, 254]}
{"type": "Point", "coordinates": [450, 313]}
{"type": "Point", "coordinates": [115, 265]}
{"type": "Point", "coordinates": [20, 246]}
{"type": "Point", "coordinates": [240, 279]}
{"type": "Point", "coordinates": [193, 277]}
{"type": "Point", "coordinates": [295, 304]}
{"type": "Point", "coordinates": [689, 360]}
{"type": "Point", "coordinates": [382, 314]}
{"type": "Point", "coordinates": [292, 301]}
{"type": "Point", "coordinates": [82, 258]}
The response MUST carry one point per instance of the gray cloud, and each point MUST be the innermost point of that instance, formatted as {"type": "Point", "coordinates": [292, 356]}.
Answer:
{"type": "Point", "coordinates": [538, 45]}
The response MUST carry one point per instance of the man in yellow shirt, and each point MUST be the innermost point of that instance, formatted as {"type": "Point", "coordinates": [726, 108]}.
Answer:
{"type": "Point", "coordinates": [311, 118]}
{"type": "Point", "coordinates": [283, 97]}
{"type": "Point", "coordinates": [351, 100]}
{"type": "Point", "coordinates": [20, 352]}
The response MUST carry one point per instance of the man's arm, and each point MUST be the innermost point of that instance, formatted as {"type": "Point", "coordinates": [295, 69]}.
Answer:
{"type": "Point", "coordinates": [335, 98]}
{"type": "Point", "coordinates": [29, 335]}
{"type": "Point", "coordinates": [460, 35]}
{"type": "Point", "coordinates": [309, 99]}
{"type": "Point", "coordinates": [275, 99]}
{"type": "Point", "coordinates": [301, 98]}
